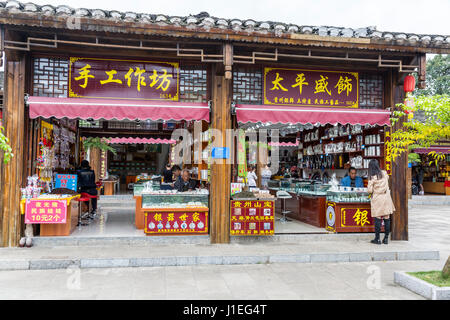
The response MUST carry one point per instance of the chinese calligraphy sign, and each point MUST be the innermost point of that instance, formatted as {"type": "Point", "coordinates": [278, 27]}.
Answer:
{"type": "Point", "coordinates": [176, 222]}
{"type": "Point", "coordinates": [123, 79]}
{"type": "Point", "coordinates": [45, 211]}
{"type": "Point", "coordinates": [311, 88]}
{"type": "Point", "coordinates": [349, 217]}
{"type": "Point", "coordinates": [252, 218]}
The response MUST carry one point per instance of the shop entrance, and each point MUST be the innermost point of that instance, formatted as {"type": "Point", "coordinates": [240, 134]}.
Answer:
{"type": "Point", "coordinates": [313, 177]}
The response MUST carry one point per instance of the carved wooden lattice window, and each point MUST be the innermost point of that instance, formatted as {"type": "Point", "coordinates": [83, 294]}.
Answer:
{"type": "Point", "coordinates": [193, 83]}
{"type": "Point", "coordinates": [50, 77]}
{"type": "Point", "coordinates": [371, 91]}
{"type": "Point", "coordinates": [247, 85]}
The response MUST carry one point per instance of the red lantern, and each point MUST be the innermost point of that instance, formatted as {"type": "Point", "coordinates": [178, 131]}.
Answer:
{"type": "Point", "coordinates": [409, 84]}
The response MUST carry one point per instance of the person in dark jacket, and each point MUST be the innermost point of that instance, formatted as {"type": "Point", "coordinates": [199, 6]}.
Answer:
{"type": "Point", "coordinates": [185, 183]}
{"type": "Point", "coordinates": [86, 183]}
{"type": "Point", "coordinates": [167, 174]}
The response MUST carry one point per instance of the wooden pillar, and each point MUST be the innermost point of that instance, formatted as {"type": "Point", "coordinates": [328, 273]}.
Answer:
{"type": "Point", "coordinates": [399, 192]}
{"type": "Point", "coordinates": [13, 119]}
{"type": "Point", "coordinates": [220, 172]}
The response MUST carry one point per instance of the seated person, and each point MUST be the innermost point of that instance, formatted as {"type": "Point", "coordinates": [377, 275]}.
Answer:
{"type": "Point", "coordinates": [185, 183]}
{"type": "Point", "coordinates": [176, 170]}
{"type": "Point", "coordinates": [86, 183]}
{"type": "Point", "coordinates": [352, 180]}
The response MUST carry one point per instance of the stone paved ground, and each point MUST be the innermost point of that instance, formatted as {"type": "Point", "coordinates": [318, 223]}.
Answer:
{"type": "Point", "coordinates": [356, 280]}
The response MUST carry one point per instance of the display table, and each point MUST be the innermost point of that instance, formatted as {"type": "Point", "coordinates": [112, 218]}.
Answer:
{"type": "Point", "coordinates": [109, 187]}
{"type": "Point", "coordinates": [349, 217]}
{"type": "Point", "coordinates": [57, 217]}
{"type": "Point", "coordinates": [171, 213]}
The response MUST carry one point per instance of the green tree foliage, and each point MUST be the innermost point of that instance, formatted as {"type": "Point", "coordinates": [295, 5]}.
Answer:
{"type": "Point", "coordinates": [435, 125]}
{"type": "Point", "coordinates": [5, 148]}
{"type": "Point", "coordinates": [99, 143]}
{"type": "Point", "coordinates": [437, 76]}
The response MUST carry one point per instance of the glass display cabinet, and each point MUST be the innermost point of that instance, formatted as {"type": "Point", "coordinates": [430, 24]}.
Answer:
{"type": "Point", "coordinates": [174, 200]}
{"type": "Point", "coordinates": [352, 196]}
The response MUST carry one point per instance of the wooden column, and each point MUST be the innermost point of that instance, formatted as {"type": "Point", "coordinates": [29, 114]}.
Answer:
{"type": "Point", "coordinates": [220, 172]}
{"type": "Point", "coordinates": [13, 119]}
{"type": "Point", "coordinates": [399, 192]}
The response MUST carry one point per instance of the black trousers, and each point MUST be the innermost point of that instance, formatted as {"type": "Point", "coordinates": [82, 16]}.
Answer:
{"type": "Point", "coordinates": [92, 192]}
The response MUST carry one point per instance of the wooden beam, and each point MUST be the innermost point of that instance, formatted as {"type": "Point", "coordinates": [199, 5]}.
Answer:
{"type": "Point", "coordinates": [11, 220]}
{"type": "Point", "coordinates": [399, 220]}
{"type": "Point", "coordinates": [222, 92]}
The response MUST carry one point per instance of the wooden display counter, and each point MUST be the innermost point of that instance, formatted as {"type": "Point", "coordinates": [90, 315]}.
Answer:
{"type": "Point", "coordinates": [434, 187]}
{"type": "Point", "coordinates": [65, 229]}
{"type": "Point", "coordinates": [312, 210]}
{"type": "Point", "coordinates": [56, 217]}
{"type": "Point", "coordinates": [176, 221]}
{"type": "Point", "coordinates": [139, 216]}
{"type": "Point", "coordinates": [109, 187]}
{"type": "Point", "coordinates": [349, 217]}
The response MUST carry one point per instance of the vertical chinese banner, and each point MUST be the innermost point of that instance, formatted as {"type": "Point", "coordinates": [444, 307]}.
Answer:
{"type": "Point", "coordinates": [387, 151]}
{"type": "Point", "coordinates": [103, 164]}
{"type": "Point", "coordinates": [242, 155]}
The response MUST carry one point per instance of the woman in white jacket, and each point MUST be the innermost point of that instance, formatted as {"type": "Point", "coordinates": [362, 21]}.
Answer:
{"type": "Point", "coordinates": [251, 177]}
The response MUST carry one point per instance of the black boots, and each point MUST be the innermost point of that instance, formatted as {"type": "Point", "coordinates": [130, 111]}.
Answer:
{"type": "Point", "coordinates": [387, 229]}
{"type": "Point", "coordinates": [377, 231]}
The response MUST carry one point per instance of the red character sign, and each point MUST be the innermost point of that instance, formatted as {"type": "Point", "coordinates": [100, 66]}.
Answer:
{"type": "Point", "coordinates": [252, 218]}
{"type": "Point", "coordinates": [176, 222]}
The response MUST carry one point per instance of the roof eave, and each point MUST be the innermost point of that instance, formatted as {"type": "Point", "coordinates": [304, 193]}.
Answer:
{"type": "Point", "coordinates": [215, 33]}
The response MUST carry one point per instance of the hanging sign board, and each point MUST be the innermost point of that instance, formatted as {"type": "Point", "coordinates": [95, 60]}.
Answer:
{"type": "Point", "coordinates": [123, 79]}
{"type": "Point", "coordinates": [311, 88]}
{"type": "Point", "coordinates": [68, 181]}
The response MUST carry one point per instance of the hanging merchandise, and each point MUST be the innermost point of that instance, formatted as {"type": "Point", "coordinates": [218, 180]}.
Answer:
{"type": "Point", "coordinates": [242, 161]}
{"type": "Point", "coordinates": [46, 157]}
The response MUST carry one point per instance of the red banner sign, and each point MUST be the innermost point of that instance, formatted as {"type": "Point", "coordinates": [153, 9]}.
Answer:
{"type": "Point", "coordinates": [387, 152]}
{"type": "Point", "coordinates": [123, 79]}
{"type": "Point", "coordinates": [351, 217]}
{"type": "Point", "coordinates": [45, 211]}
{"type": "Point", "coordinates": [176, 222]}
{"type": "Point", "coordinates": [252, 218]}
{"type": "Point", "coordinates": [311, 88]}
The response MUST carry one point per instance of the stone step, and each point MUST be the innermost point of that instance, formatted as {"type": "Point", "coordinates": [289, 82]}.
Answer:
{"type": "Point", "coordinates": [199, 239]}
{"type": "Point", "coordinates": [43, 263]}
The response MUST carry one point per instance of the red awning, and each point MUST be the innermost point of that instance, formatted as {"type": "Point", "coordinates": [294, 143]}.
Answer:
{"type": "Point", "coordinates": [305, 115]}
{"type": "Point", "coordinates": [141, 140]}
{"type": "Point", "coordinates": [283, 144]}
{"type": "Point", "coordinates": [108, 109]}
{"type": "Point", "coordinates": [437, 149]}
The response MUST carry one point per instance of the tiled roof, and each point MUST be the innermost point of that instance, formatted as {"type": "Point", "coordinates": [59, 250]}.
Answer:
{"type": "Point", "coordinates": [249, 26]}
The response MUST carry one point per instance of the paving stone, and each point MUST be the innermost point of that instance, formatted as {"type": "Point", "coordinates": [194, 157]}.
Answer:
{"type": "Point", "coordinates": [104, 263]}
{"type": "Point", "coordinates": [384, 256]}
{"type": "Point", "coordinates": [14, 264]}
{"type": "Point", "coordinates": [418, 255]}
{"type": "Point", "coordinates": [330, 257]}
{"type": "Point", "coordinates": [43, 264]}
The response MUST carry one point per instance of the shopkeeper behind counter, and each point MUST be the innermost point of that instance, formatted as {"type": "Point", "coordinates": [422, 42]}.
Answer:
{"type": "Point", "coordinates": [352, 180]}
{"type": "Point", "coordinates": [185, 183]}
